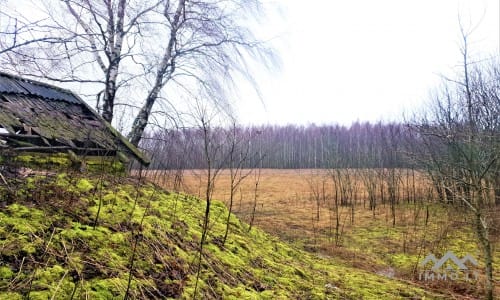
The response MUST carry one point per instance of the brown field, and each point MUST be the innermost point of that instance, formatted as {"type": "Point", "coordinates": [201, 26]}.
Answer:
{"type": "Point", "coordinates": [299, 207]}
{"type": "Point", "coordinates": [287, 200]}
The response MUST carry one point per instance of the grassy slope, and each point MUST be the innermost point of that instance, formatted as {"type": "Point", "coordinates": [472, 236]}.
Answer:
{"type": "Point", "coordinates": [49, 249]}
{"type": "Point", "coordinates": [287, 208]}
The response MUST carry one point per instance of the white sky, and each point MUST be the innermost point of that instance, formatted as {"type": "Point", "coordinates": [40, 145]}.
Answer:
{"type": "Point", "coordinates": [367, 60]}
{"type": "Point", "coordinates": [362, 59]}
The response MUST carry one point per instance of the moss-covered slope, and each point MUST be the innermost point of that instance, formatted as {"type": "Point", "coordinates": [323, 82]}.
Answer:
{"type": "Point", "coordinates": [67, 237]}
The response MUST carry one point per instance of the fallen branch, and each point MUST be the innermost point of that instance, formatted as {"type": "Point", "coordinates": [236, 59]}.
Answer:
{"type": "Point", "coordinates": [5, 182]}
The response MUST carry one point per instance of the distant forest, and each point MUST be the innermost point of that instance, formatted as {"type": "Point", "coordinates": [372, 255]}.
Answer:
{"type": "Point", "coordinates": [361, 145]}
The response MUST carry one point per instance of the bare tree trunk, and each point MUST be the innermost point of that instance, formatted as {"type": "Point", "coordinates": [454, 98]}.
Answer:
{"type": "Point", "coordinates": [255, 194]}
{"type": "Point", "coordinates": [210, 151]}
{"type": "Point", "coordinates": [238, 156]}
{"type": "Point", "coordinates": [483, 236]}
{"type": "Point", "coordinates": [165, 71]}
{"type": "Point", "coordinates": [496, 184]}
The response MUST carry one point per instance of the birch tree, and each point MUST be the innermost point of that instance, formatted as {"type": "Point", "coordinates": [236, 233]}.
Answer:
{"type": "Point", "coordinates": [139, 54]}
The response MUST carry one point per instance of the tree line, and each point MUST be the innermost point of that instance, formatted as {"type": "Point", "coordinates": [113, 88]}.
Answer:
{"type": "Point", "coordinates": [361, 145]}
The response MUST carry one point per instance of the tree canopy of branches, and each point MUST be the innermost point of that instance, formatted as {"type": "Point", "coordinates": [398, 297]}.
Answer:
{"type": "Point", "coordinates": [460, 147]}
{"type": "Point", "coordinates": [137, 55]}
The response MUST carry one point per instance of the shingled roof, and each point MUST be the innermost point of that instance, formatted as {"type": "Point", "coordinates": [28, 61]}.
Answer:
{"type": "Point", "coordinates": [35, 116]}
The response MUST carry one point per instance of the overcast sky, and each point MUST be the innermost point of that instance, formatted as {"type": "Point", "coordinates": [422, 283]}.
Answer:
{"type": "Point", "coordinates": [344, 61]}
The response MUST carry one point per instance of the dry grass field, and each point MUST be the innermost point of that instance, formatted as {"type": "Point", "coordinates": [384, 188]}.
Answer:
{"type": "Point", "coordinates": [286, 201]}
{"type": "Point", "coordinates": [299, 207]}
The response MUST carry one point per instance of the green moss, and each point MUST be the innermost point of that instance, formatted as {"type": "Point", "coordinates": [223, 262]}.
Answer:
{"type": "Point", "coordinates": [5, 273]}
{"type": "Point", "coordinates": [49, 275]}
{"type": "Point", "coordinates": [86, 232]}
{"type": "Point", "coordinates": [36, 160]}
{"type": "Point", "coordinates": [104, 164]}
{"type": "Point", "coordinates": [404, 261]}
{"type": "Point", "coordinates": [30, 183]}
{"type": "Point", "coordinates": [10, 296]}
{"type": "Point", "coordinates": [83, 185]}
{"type": "Point", "coordinates": [68, 254]}
{"type": "Point", "coordinates": [65, 161]}
{"type": "Point", "coordinates": [111, 288]}
{"type": "Point", "coordinates": [23, 220]}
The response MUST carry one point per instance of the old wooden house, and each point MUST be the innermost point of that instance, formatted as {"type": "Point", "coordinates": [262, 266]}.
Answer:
{"type": "Point", "coordinates": [39, 118]}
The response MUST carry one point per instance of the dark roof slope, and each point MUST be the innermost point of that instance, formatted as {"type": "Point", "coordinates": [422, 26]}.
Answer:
{"type": "Point", "coordinates": [44, 117]}
{"type": "Point", "coordinates": [17, 85]}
